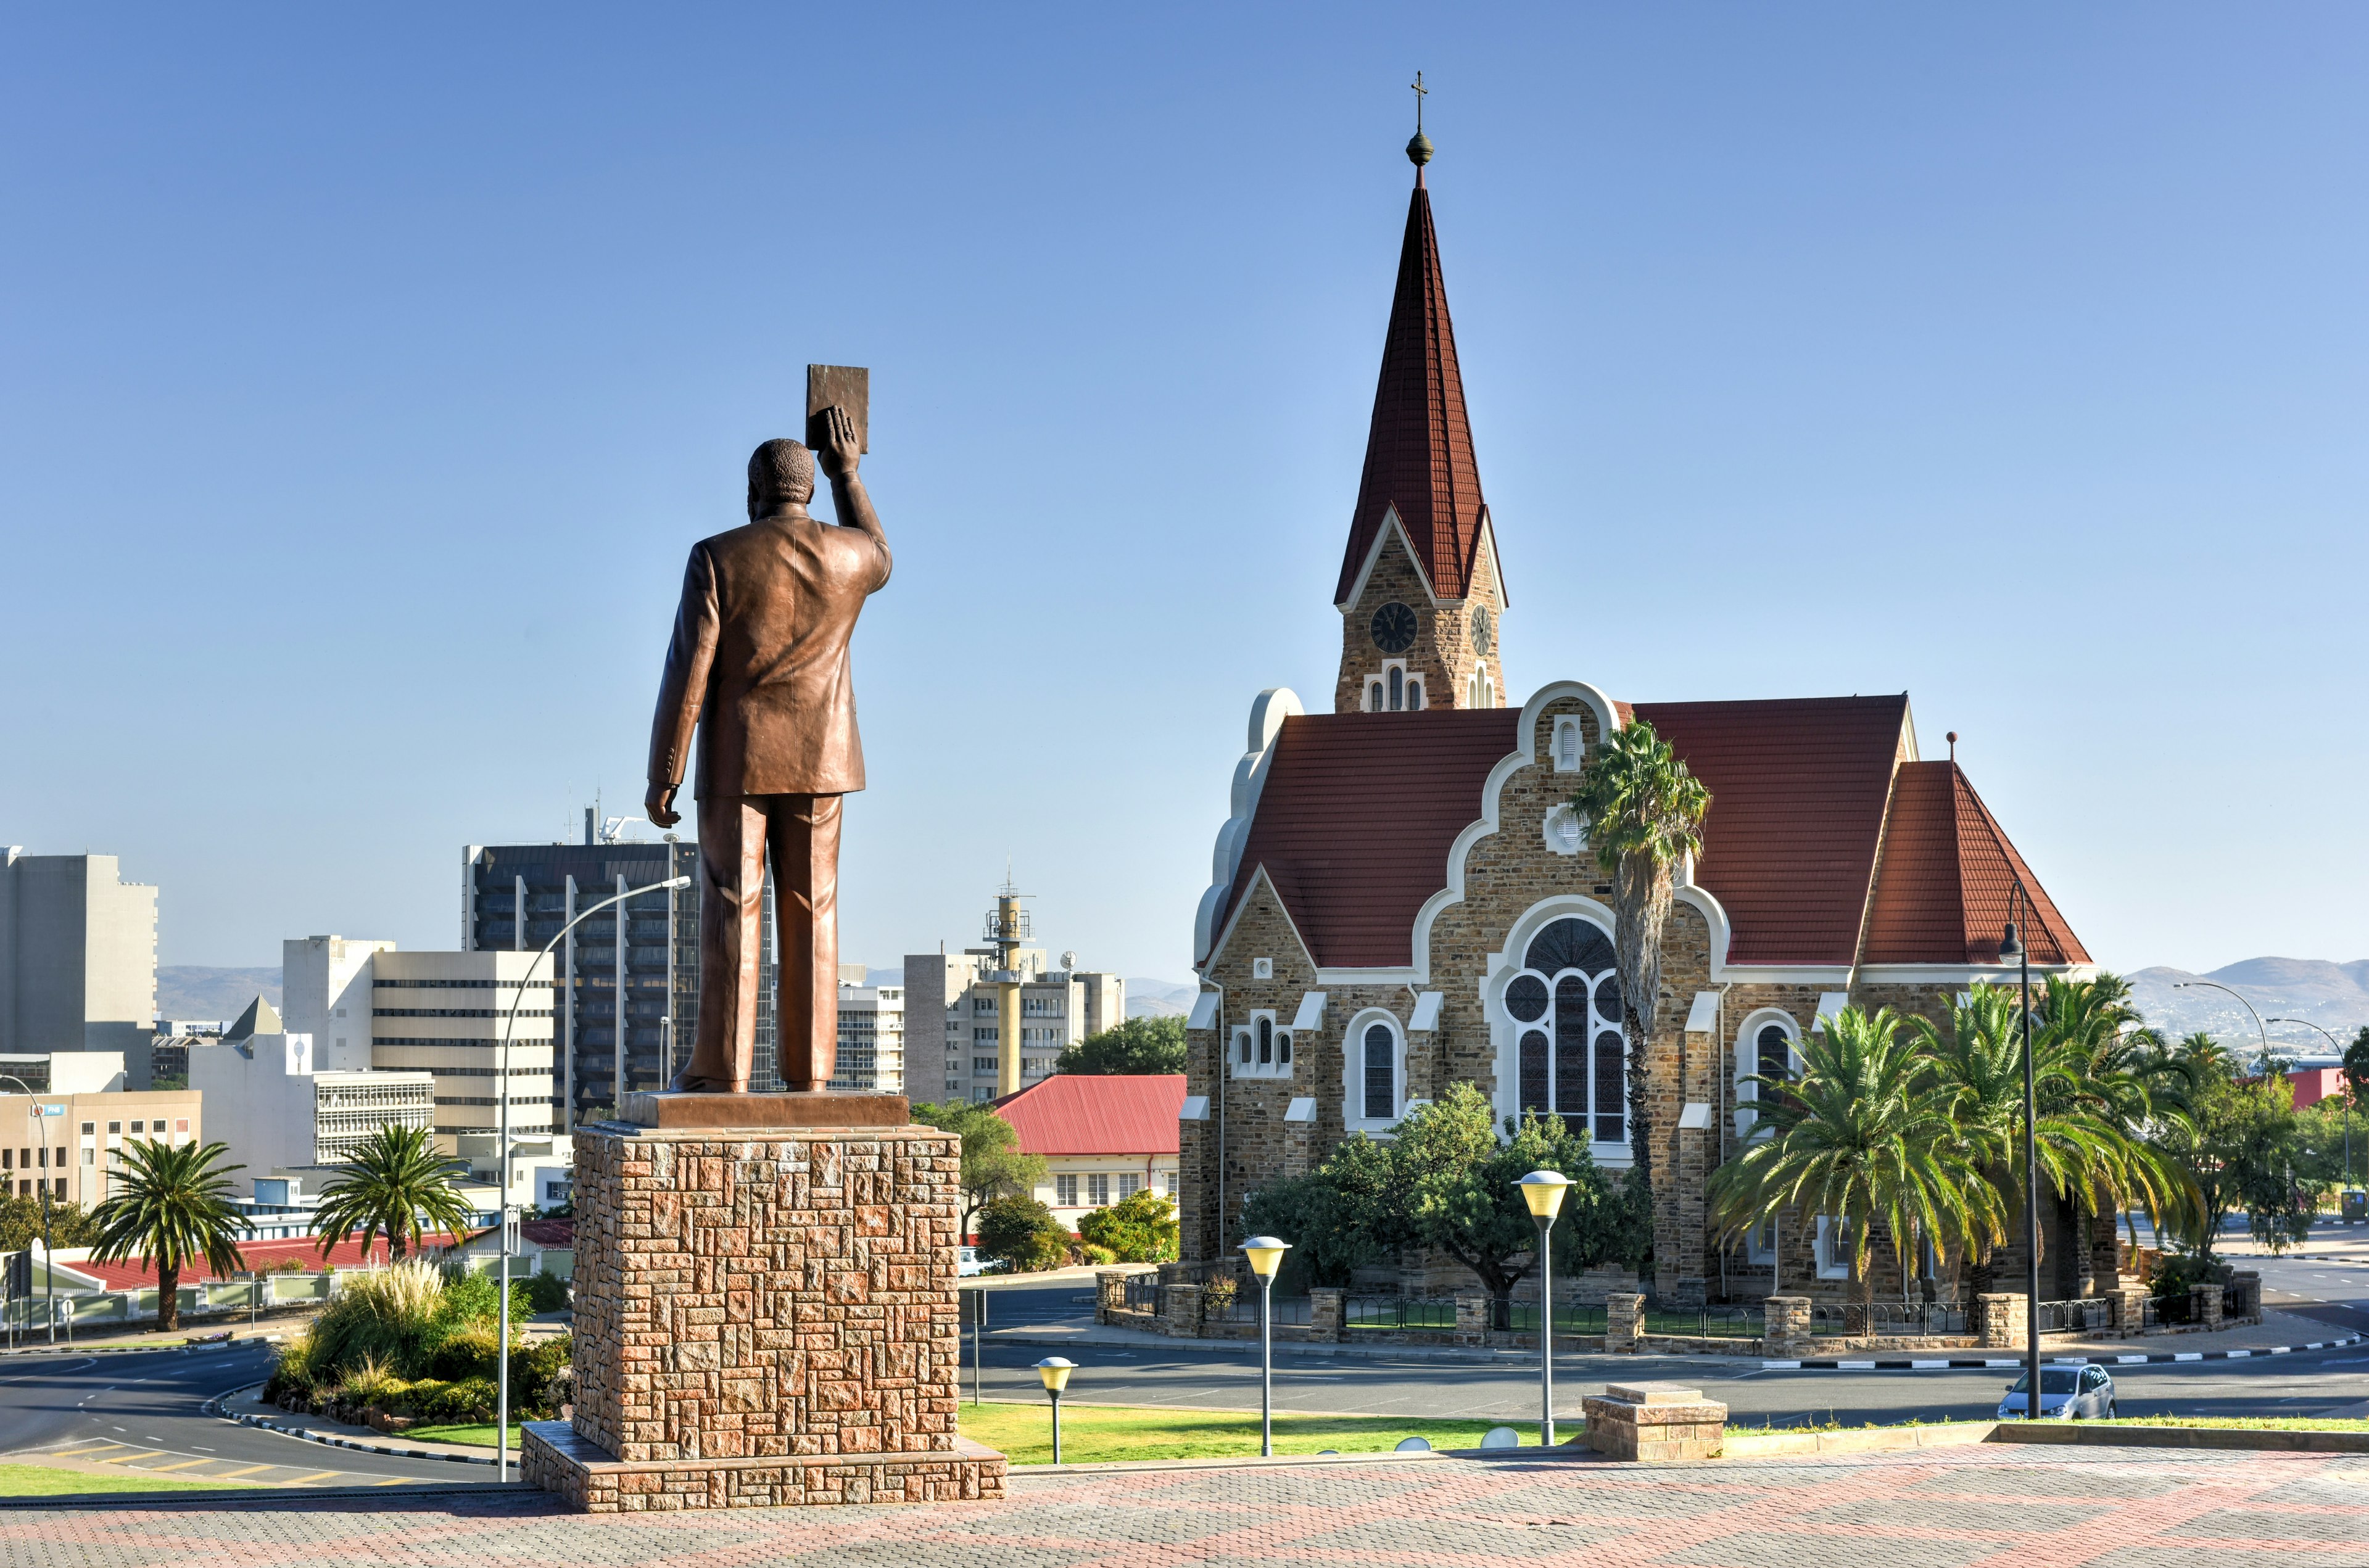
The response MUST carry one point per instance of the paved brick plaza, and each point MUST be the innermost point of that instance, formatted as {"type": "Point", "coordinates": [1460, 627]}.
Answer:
{"type": "Point", "coordinates": [1946, 1508]}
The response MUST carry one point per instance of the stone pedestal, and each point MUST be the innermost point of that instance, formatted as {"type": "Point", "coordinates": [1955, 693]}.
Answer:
{"type": "Point", "coordinates": [2130, 1307]}
{"type": "Point", "coordinates": [1653, 1422]}
{"type": "Point", "coordinates": [2208, 1305]}
{"type": "Point", "coordinates": [2003, 1318]}
{"type": "Point", "coordinates": [764, 1316]}
{"type": "Point", "coordinates": [1327, 1309]}
{"type": "Point", "coordinates": [1624, 1324]}
{"type": "Point", "coordinates": [1785, 1326]}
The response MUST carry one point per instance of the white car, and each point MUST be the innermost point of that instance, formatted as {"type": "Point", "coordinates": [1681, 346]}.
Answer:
{"type": "Point", "coordinates": [2067, 1393]}
{"type": "Point", "coordinates": [968, 1262]}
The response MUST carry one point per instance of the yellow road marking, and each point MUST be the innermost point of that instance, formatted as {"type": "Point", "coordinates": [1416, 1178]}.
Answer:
{"type": "Point", "coordinates": [130, 1454]}
{"type": "Point", "coordinates": [317, 1476]}
{"type": "Point", "coordinates": [392, 1481]}
{"type": "Point", "coordinates": [183, 1464]}
{"type": "Point", "coordinates": [248, 1470]}
{"type": "Point", "coordinates": [77, 1453]}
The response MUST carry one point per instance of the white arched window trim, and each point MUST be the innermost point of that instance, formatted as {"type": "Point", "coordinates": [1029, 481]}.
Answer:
{"type": "Point", "coordinates": [1262, 1026]}
{"type": "Point", "coordinates": [1504, 1033]}
{"type": "Point", "coordinates": [1747, 1061]}
{"type": "Point", "coordinates": [1353, 1071]}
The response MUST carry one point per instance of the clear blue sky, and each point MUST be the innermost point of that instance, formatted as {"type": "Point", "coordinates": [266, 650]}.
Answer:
{"type": "Point", "coordinates": [364, 380]}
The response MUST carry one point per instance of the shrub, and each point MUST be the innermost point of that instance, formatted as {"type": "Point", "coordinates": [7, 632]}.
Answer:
{"type": "Point", "coordinates": [1022, 1232]}
{"type": "Point", "coordinates": [288, 1265]}
{"type": "Point", "coordinates": [1218, 1296]}
{"type": "Point", "coordinates": [547, 1293]}
{"type": "Point", "coordinates": [296, 1370]}
{"type": "Point", "coordinates": [2176, 1273]}
{"type": "Point", "coordinates": [1139, 1227]}
{"type": "Point", "coordinates": [382, 1316]}
{"type": "Point", "coordinates": [1095, 1253]}
{"type": "Point", "coordinates": [538, 1377]}
{"type": "Point", "coordinates": [471, 1351]}
{"type": "Point", "coordinates": [473, 1399]}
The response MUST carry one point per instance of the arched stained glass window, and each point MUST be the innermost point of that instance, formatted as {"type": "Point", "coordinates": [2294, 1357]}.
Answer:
{"type": "Point", "coordinates": [1569, 944]}
{"type": "Point", "coordinates": [1373, 697]}
{"type": "Point", "coordinates": [1776, 1052]}
{"type": "Point", "coordinates": [1380, 1073]}
{"type": "Point", "coordinates": [1397, 690]}
{"type": "Point", "coordinates": [1566, 1003]}
{"type": "Point", "coordinates": [1414, 696]}
{"type": "Point", "coordinates": [1266, 1041]}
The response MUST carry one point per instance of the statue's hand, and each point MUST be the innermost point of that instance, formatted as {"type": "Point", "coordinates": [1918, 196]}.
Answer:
{"type": "Point", "coordinates": [842, 450]}
{"type": "Point", "coordinates": [659, 804]}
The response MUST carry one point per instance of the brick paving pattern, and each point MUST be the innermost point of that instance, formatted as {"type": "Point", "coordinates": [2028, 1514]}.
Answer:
{"type": "Point", "coordinates": [1972, 1507]}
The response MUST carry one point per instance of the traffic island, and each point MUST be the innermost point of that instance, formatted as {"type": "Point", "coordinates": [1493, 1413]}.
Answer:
{"type": "Point", "coordinates": [1654, 1423]}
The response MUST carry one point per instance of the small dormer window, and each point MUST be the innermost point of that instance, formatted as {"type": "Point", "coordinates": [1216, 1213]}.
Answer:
{"type": "Point", "coordinates": [1568, 746]}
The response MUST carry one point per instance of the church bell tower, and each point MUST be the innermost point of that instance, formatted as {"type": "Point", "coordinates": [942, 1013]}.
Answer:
{"type": "Point", "coordinates": [1421, 593]}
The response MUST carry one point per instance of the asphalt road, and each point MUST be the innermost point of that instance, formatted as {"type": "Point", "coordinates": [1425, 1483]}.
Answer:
{"type": "Point", "coordinates": [145, 1412]}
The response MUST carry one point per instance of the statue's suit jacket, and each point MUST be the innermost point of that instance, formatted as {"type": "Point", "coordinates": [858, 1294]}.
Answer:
{"type": "Point", "coordinates": [759, 652]}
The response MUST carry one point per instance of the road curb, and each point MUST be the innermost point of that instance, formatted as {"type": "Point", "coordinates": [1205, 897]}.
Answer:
{"type": "Point", "coordinates": [214, 1407]}
{"type": "Point", "coordinates": [1978, 1363]}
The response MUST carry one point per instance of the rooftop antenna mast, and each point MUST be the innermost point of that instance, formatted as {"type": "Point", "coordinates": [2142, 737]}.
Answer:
{"type": "Point", "coordinates": [1007, 928]}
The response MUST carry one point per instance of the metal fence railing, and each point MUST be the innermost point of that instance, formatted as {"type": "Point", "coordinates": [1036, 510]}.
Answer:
{"type": "Point", "coordinates": [1708, 1322]}
{"type": "Point", "coordinates": [1396, 1312]}
{"type": "Point", "coordinates": [1901, 1319]}
{"type": "Point", "coordinates": [2076, 1316]}
{"type": "Point", "coordinates": [1142, 1293]}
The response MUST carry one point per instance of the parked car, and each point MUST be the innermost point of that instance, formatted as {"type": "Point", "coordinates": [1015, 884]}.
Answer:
{"type": "Point", "coordinates": [968, 1262]}
{"type": "Point", "coordinates": [2067, 1393]}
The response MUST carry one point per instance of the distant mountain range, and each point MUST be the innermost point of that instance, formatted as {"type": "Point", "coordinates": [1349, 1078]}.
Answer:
{"type": "Point", "coordinates": [187, 990]}
{"type": "Point", "coordinates": [2334, 996]}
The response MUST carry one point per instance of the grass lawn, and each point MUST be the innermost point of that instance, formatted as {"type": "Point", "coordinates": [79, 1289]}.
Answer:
{"type": "Point", "coordinates": [39, 1480]}
{"type": "Point", "coordinates": [477, 1433]}
{"type": "Point", "coordinates": [1093, 1434]}
{"type": "Point", "coordinates": [2255, 1423]}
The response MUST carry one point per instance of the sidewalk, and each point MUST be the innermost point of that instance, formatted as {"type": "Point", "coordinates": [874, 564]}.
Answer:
{"type": "Point", "coordinates": [1944, 1508]}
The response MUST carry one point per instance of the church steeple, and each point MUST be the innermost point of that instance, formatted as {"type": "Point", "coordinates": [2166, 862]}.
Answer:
{"type": "Point", "coordinates": [1421, 472]}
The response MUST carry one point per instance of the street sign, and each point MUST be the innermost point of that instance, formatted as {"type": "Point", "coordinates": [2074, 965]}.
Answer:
{"type": "Point", "coordinates": [53, 1110]}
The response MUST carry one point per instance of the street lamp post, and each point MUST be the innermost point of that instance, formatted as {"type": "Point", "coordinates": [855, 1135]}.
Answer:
{"type": "Point", "coordinates": [1055, 1371]}
{"type": "Point", "coordinates": [502, 1153]}
{"type": "Point", "coordinates": [2339, 1047]}
{"type": "Point", "coordinates": [2216, 985]}
{"type": "Point", "coordinates": [2012, 947]}
{"type": "Point", "coordinates": [1266, 1254]}
{"type": "Point", "coordinates": [1543, 1191]}
{"type": "Point", "coordinates": [49, 1264]}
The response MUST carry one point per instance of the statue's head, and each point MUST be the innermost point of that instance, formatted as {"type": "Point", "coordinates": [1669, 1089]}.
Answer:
{"type": "Point", "coordinates": [781, 470]}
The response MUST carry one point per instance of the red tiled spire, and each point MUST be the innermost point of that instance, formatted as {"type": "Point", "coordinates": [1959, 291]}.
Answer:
{"type": "Point", "coordinates": [1949, 878]}
{"type": "Point", "coordinates": [1419, 453]}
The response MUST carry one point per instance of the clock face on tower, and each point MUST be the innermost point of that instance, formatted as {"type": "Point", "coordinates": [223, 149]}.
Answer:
{"type": "Point", "coordinates": [1481, 630]}
{"type": "Point", "coordinates": [1394, 627]}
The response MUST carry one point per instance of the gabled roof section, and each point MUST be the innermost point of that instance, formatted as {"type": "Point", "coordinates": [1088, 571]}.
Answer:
{"type": "Point", "coordinates": [1419, 449]}
{"type": "Point", "coordinates": [259, 1018]}
{"type": "Point", "coordinates": [1949, 879]}
{"type": "Point", "coordinates": [1356, 820]}
{"type": "Point", "coordinates": [1798, 789]}
{"type": "Point", "coordinates": [1081, 1113]}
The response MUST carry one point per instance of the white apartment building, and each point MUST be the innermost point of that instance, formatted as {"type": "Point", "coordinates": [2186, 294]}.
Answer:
{"type": "Point", "coordinates": [1057, 1008]}
{"type": "Point", "coordinates": [78, 957]}
{"type": "Point", "coordinates": [871, 1035]}
{"type": "Point", "coordinates": [444, 1013]}
{"type": "Point", "coordinates": [282, 1106]}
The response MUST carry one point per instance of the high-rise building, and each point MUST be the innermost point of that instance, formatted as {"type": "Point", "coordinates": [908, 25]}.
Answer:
{"type": "Point", "coordinates": [1005, 1016]}
{"type": "Point", "coordinates": [77, 958]}
{"type": "Point", "coordinates": [871, 1035]}
{"type": "Point", "coordinates": [638, 973]}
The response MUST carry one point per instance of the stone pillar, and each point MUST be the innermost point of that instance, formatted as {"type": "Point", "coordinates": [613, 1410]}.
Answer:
{"type": "Point", "coordinates": [1180, 1311]}
{"type": "Point", "coordinates": [1471, 1317]}
{"type": "Point", "coordinates": [1785, 1326]}
{"type": "Point", "coordinates": [2243, 1300]}
{"type": "Point", "coordinates": [2130, 1307]}
{"type": "Point", "coordinates": [1110, 1293]}
{"type": "Point", "coordinates": [1624, 1324]}
{"type": "Point", "coordinates": [1652, 1423]}
{"type": "Point", "coordinates": [2003, 1316]}
{"type": "Point", "coordinates": [1328, 1309]}
{"type": "Point", "coordinates": [2208, 1305]}
{"type": "Point", "coordinates": [764, 1316]}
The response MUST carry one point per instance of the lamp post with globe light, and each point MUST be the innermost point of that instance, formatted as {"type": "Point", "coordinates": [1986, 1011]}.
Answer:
{"type": "Point", "coordinates": [1543, 1191]}
{"type": "Point", "coordinates": [1266, 1254]}
{"type": "Point", "coordinates": [1053, 1372]}
{"type": "Point", "coordinates": [2216, 985]}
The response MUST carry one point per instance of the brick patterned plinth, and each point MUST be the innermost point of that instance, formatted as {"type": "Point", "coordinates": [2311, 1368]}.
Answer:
{"type": "Point", "coordinates": [763, 1318]}
{"type": "Point", "coordinates": [1654, 1423]}
{"type": "Point", "coordinates": [554, 1457]}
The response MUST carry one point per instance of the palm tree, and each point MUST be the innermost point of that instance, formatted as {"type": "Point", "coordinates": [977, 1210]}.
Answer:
{"type": "Point", "coordinates": [395, 1182]}
{"type": "Point", "coordinates": [1644, 813]}
{"type": "Point", "coordinates": [169, 1206]}
{"type": "Point", "coordinates": [1864, 1135]}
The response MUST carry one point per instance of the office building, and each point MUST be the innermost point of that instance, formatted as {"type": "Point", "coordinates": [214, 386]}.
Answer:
{"type": "Point", "coordinates": [78, 957]}
{"type": "Point", "coordinates": [61, 1072]}
{"type": "Point", "coordinates": [283, 1105]}
{"type": "Point", "coordinates": [640, 973]}
{"type": "Point", "coordinates": [1005, 1017]}
{"type": "Point", "coordinates": [871, 1035]}
{"type": "Point", "coordinates": [69, 1142]}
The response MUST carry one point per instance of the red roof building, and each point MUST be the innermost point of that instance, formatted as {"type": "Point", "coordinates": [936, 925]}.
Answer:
{"type": "Point", "coordinates": [1104, 1137]}
{"type": "Point", "coordinates": [1403, 899]}
{"type": "Point", "coordinates": [261, 1257]}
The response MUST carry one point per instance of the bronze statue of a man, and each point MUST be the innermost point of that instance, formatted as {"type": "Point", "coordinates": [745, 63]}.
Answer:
{"type": "Point", "coordinates": [758, 665]}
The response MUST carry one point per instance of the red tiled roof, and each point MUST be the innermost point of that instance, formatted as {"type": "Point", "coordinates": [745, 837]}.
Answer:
{"type": "Point", "coordinates": [1419, 449]}
{"type": "Point", "coordinates": [1079, 1113]}
{"type": "Point", "coordinates": [1355, 818]}
{"type": "Point", "coordinates": [1797, 795]}
{"type": "Point", "coordinates": [1949, 878]}
{"type": "Point", "coordinates": [132, 1274]}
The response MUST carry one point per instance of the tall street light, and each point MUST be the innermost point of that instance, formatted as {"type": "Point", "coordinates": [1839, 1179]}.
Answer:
{"type": "Point", "coordinates": [1543, 1190]}
{"type": "Point", "coordinates": [2013, 947]}
{"type": "Point", "coordinates": [1054, 1371]}
{"type": "Point", "coordinates": [49, 1264]}
{"type": "Point", "coordinates": [1266, 1254]}
{"type": "Point", "coordinates": [2339, 1047]}
{"type": "Point", "coordinates": [502, 1171]}
{"type": "Point", "coordinates": [2216, 985]}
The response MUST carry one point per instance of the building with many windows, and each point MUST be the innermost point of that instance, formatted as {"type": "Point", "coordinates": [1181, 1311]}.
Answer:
{"type": "Point", "coordinates": [282, 1104]}
{"type": "Point", "coordinates": [1104, 1137]}
{"type": "Point", "coordinates": [78, 957]}
{"type": "Point", "coordinates": [69, 1142]}
{"type": "Point", "coordinates": [871, 1035]}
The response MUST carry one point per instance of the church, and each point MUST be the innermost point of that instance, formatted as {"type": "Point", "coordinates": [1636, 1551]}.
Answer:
{"type": "Point", "coordinates": [1402, 898]}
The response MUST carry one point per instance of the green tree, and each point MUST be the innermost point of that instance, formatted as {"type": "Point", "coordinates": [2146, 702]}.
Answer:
{"type": "Point", "coordinates": [1339, 1218]}
{"type": "Point", "coordinates": [2239, 1145]}
{"type": "Point", "coordinates": [20, 1224]}
{"type": "Point", "coordinates": [1455, 1182]}
{"type": "Point", "coordinates": [993, 1163]}
{"type": "Point", "coordinates": [1022, 1232]}
{"type": "Point", "coordinates": [169, 1206]}
{"type": "Point", "coordinates": [1136, 1046]}
{"type": "Point", "coordinates": [1139, 1228]}
{"type": "Point", "coordinates": [1645, 814]}
{"type": "Point", "coordinates": [1865, 1135]}
{"type": "Point", "coordinates": [396, 1186]}
{"type": "Point", "coordinates": [2356, 1067]}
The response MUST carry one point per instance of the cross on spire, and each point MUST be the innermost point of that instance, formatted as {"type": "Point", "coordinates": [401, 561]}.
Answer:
{"type": "Point", "coordinates": [1418, 150]}
{"type": "Point", "coordinates": [1421, 93]}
